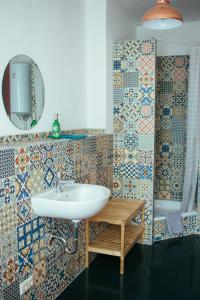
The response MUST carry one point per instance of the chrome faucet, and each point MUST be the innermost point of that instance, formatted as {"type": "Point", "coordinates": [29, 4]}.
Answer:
{"type": "Point", "coordinates": [58, 182]}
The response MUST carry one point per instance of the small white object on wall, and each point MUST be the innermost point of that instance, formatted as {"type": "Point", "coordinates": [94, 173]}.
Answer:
{"type": "Point", "coordinates": [26, 285]}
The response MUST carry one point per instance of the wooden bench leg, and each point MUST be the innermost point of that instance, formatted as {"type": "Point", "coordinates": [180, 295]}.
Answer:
{"type": "Point", "coordinates": [121, 265]}
{"type": "Point", "coordinates": [122, 248]}
{"type": "Point", "coordinates": [87, 233]}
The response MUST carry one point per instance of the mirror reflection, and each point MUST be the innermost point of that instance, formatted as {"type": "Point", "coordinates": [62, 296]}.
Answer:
{"type": "Point", "coordinates": [23, 92]}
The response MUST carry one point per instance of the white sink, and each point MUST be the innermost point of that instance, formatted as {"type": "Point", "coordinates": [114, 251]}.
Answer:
{"type": "Point", "coordinates": [75, 202]}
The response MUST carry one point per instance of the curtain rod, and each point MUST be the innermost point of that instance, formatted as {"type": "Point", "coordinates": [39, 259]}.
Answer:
{"type": "Point", "coordinates": [176, 42]}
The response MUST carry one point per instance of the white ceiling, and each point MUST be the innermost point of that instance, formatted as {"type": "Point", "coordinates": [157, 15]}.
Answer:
{"type": "Point", "coordinates": [136, 8]}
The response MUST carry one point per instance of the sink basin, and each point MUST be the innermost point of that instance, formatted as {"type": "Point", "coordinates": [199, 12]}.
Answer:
{"type": "Point", "coordinates": [75, 202]}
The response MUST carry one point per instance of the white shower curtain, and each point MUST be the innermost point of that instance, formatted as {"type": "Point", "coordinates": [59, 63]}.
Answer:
{"type": "Point", "coordinates": [193, 132]}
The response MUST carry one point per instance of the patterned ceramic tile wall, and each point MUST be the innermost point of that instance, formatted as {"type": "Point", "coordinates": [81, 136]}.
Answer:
{"type": "Point", "coordinates": [25, 248]}
{"type": "Point", "coordinates": [171, 110]}
{"type": "Point", "coordinates": [134, 113]}
{"type": "Point", "coordinates": [161, 232]}
{"type": "Point", "coordinates": [31, 137]}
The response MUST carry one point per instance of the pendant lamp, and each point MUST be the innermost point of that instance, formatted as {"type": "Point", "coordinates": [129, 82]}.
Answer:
{"type": "Point", "coordinates": [162, 16]}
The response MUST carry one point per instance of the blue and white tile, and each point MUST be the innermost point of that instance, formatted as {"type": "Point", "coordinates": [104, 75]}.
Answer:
{"type": "Point", "coordinates": [7, 165]}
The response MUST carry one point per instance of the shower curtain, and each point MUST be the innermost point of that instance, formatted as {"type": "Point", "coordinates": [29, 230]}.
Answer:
{"type": "Point", "coordinates": [193, 132]}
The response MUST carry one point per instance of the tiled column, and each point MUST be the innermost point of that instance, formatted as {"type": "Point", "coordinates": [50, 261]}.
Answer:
{"type": "Point", "coordinates": [134, 113]}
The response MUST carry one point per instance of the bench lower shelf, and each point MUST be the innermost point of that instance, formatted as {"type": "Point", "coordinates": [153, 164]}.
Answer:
{"type": "Point", "coordinates": [108, 242]}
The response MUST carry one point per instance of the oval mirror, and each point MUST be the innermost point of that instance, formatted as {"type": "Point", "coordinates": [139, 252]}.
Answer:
{"type": "Point", "coordinates": [23, 92]}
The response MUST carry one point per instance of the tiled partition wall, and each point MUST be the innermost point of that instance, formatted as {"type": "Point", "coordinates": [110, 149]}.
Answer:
{"type": "Point", "coordinates": [25, 250]}
{"type": "Point", "coordinates": [171, 113]}
{"type": "Point", "coordinates": [29, 137]}
{"type": "Point", "coordinates": [134, 113]}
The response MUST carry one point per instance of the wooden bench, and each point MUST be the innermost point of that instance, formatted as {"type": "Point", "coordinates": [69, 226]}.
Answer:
{"type": "Point", "coordinates": [120, 236]}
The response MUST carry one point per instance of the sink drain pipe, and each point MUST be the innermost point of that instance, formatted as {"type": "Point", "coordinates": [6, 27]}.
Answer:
{"type": "Point", "coordinates": [75, 239]}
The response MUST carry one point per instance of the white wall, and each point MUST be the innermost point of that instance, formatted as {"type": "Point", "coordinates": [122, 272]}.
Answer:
{"type": "Point", "coordinates": [52, 33]}
{"type": "Point", "coordinates": [106, 22]}
{"type": "Point", "coordinates": [119, 27]}
{"type": "Point", "coordinates": [96, 63]}
{"type": "Point", "coordinates": [189, 32]}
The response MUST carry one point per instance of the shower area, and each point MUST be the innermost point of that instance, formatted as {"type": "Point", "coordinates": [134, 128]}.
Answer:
{"type": "Point", "coordinates": [176, 160]}
{"type": "Point", "coordinates": [155, 112]}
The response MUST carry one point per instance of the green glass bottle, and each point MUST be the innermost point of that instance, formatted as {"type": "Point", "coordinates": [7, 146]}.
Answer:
{"type": "Point", "coordinates": [56, 128]}
{"type": "Point", "coordinates": [34, 122]}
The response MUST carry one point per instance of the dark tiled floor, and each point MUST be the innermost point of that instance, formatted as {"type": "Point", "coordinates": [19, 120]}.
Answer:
{"type": "Point", "coordinates": [168, 270]}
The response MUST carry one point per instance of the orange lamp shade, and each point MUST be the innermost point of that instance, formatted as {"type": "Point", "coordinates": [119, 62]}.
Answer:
{"type": "Point", "coordinates": [162, 16]}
